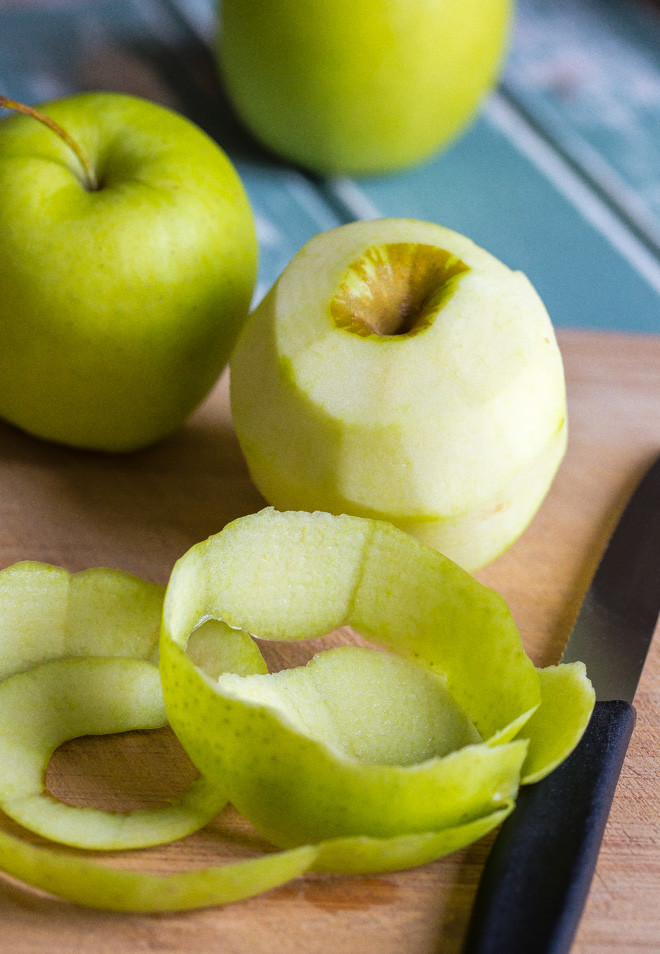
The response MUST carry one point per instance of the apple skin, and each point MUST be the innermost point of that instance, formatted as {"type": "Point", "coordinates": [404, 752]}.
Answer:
{"type": "Point", "coordinates": [120, 306]}
{"type": "Point", "coordinates": [359, 86]}
{"type": "Point", "coordinates": [453, 433]}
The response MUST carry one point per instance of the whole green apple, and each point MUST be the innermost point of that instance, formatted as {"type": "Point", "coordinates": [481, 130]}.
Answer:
{"type": "Point", "coordinates": [124, 287]}
{"type": "Point", "coordinates": [405, 374]}
{"type": "Point", "coordinates": [359, 86]}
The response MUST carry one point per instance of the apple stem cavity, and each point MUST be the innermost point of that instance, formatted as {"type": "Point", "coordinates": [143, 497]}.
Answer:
{"type": "Point", "coordinates": [89, 180]}
{"type": "Point", "coordinates": [395, 289]}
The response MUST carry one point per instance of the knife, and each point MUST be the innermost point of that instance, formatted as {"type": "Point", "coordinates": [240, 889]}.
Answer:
{"type": "Point", "coordinates": [537, 878]}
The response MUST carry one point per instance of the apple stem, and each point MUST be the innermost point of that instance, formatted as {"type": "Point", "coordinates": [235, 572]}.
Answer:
{"type": "Point", "coordinates": [90, 181]}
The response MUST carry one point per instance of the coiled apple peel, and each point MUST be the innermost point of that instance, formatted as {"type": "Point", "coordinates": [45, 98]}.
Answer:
{"type": "Point", "coordinates": [366, 760]}
{"type": "Point", "coordinates": [92, 641]}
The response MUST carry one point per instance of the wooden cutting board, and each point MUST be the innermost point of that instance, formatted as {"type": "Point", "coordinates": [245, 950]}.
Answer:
{"type": "Point", "coordinates": [142, 512]}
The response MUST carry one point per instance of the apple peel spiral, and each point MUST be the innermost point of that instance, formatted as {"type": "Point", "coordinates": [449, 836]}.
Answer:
{"type": "Point", "coordinates": [431, 735]}
{"type": "Point", "coordinates": [364, 761]}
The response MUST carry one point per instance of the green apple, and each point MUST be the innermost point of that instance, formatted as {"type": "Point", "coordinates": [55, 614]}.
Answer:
{"type": "Point", "coordinates": [408, 375]}
{"type": "Point", "coordinates": [360, 86]}
{"type": "Point", "coordinates": [124, 285]}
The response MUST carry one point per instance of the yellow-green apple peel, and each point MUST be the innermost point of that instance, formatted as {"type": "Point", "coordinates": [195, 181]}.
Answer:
{"type": "Point", "coordinates": [406, 375]}
{"type": "Point", "coordinates": [95, 885]}
{"type": "Point", "coordinates": [356, 743]}
{"type": "Point", "coordinates": [70, 698]}
{"type": "Point", "coordinates": [78, 657]}
{"type": "Point", "coordinates": [384, 760]}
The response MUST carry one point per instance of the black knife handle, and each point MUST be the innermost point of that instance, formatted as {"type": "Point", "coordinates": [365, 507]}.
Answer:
{"type": "Point", "coordinates": [537, 877]}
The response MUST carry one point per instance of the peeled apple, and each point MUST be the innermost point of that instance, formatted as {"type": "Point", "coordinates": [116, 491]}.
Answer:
{"type": "Point", "coordinates": [405, 374]}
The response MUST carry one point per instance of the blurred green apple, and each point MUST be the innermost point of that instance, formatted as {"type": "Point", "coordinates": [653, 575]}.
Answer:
{"type": "Point", "coordinates": [408, 375]}
{"type": "Point", "coordinates": [360, 86]}
{"type": "Point", "coordinates": [123, 286]}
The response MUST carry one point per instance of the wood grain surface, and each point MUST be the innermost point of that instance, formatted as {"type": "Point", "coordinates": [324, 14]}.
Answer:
{"type": "Point", "coordinates": [143, 511]}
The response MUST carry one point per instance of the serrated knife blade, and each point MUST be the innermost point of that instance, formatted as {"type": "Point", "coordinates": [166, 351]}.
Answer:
{"type": "Point", "coordinates": [537, 878]}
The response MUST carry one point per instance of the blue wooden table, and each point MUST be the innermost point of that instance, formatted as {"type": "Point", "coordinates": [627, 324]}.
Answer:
{"type": "Point", "coordinates": [559, 175]}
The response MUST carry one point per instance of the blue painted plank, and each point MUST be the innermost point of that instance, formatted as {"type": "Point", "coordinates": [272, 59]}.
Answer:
{"type": "Point", "coordinates": [487, 187]}
{"type": "Point", "coordinates": [504, 183]}
{"type": "Point", "coordinates": [588, 71]}
{"type": "Point", "coordinates": [511, 189]}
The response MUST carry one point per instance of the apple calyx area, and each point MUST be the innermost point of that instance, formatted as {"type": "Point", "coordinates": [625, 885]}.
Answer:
{"type": "Point", "coordinates": [395, 289]}
{"type": "Point", "coordinates": [89, 179]}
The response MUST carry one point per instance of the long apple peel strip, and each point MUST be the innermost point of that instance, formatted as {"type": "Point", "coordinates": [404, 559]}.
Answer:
{"type": "Point", "coordinates": [90, 883]}
{"type": "Point", "coordinates": [297, 789]}
{"type": "Point", "coordinates": [56, 684]}
{"type": "Point", "coordinates": [294, 576]}
{"type": "Point", "coordinates": [48, 614]}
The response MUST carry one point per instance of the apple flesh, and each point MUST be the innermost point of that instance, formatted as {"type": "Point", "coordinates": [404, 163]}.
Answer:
{"type": "Point", "coordinates": [407, 375]}
{"type": "Point", "coordinates": [120, 304]}
{"type": "Point", "coordinates": [359, 86]}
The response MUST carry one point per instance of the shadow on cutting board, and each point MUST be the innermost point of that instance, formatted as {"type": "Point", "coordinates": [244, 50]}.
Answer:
{"type": "Point", "coordinates": [137, 512]}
